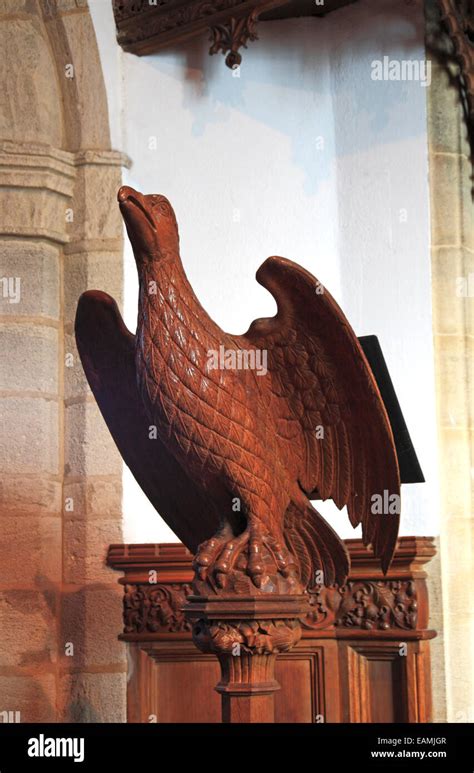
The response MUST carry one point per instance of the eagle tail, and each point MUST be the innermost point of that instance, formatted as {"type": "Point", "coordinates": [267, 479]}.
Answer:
{"type": "Point", "coordinates": [315, 546]}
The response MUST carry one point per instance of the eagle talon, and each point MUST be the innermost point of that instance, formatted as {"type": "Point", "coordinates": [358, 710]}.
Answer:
{"type": "Point", "coordinates": [201, 572]}
{"type": "Point", "coordinates": [221, 580]}
{"type": "Point", "coordinates": [283, 559]}
{"type": "Point", "coordinates": [217, 558]}
{"type": "Point", "coordinates": [206, 554]}
{"type": "Point", "coordinates": [257, 580]}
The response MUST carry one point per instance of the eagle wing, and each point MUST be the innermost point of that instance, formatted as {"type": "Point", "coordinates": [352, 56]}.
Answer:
{"type": "Point", "coordinates": [333, 429]}
{"type": "Point", "coordinates": [107, 351]}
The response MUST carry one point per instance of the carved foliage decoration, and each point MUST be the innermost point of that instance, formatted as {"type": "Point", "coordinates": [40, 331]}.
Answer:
{"type": "Point", "coordinates": [126, 9]}
{"type": "Point", "coordinates": [149, 608]}
{"type": "Point", "coordinates": [254, 637]}
{"type": "Point", "coordinates": [137, 20]}
{"type": "Point", "coordinates": [366, 604]}
{"type": "Point", "coordinates": [232, 35]}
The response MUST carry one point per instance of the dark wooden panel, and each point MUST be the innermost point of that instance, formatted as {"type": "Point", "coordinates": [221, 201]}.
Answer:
{"type": "Point", "coordinates": [184, 691]}
{"type": "Point", "coordinates": [295, 674]}
{"type": "Point", "coordinates": [385, 678]}
{"type": "Point", "coordinates": [375, 678]}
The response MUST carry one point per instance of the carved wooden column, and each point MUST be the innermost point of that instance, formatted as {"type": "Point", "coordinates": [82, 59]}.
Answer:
{"type": "Point", "coordinates": [247, 634]}
{"type": "Point", "coordinates": [246, 626]}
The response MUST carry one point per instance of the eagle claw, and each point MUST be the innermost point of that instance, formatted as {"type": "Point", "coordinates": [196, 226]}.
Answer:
{"type": "Point", "coordinates": [219, 556]}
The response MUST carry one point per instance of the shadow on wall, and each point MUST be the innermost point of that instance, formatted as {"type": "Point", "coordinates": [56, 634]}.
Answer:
{"type": "Point", "coordinates": [305, 78]}
{"type": "Point", "coordinates": [283, 84]}
{"type": "Point", "coordinates": [370, 32]}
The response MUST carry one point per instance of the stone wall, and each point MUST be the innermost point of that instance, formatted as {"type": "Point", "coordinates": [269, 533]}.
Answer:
{"type": "Point", "coordinates": [60, 490]}
{"type": "Point", "coordinates": [452, 237]}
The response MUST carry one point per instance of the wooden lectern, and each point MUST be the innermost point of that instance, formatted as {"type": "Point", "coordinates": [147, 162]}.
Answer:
{"type": "Point", "coordinates": [363, 655]}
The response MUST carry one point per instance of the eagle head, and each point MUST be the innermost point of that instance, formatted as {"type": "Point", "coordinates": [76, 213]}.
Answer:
{"type": "Point", "coordinates": [151, 224]}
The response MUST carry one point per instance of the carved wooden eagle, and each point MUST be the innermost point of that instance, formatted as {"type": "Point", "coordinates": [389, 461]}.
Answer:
{"type": "Point", "coordinates": [231, 436]}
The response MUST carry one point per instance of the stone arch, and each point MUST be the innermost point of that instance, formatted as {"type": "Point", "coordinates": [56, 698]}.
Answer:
{"type": "Point", "coordinates": [60, 494]}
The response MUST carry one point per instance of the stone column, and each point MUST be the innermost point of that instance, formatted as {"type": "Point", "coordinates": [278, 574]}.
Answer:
{"type": "Point", "coordinates": [93, 681]}
{"type": "Point", "coordinates": [60, 490]}
{"type": "Point", "coordinates": [452, 233]}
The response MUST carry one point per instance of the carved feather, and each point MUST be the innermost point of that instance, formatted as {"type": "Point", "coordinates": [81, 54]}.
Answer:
{"type": "Point", "coordinates": [107, 351]}
{"type": "Point", "coordinates": [357, 458]}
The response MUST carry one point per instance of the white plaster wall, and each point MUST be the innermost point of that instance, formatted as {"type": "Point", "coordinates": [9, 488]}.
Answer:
{"type": "Point", "coordinates": [305, 156]}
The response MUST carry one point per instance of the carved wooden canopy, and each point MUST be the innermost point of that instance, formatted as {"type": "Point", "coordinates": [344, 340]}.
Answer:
{"type": "Point", "coordinates": [146, 26]}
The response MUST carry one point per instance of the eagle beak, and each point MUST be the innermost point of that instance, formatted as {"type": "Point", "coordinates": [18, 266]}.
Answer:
{"type": "Point", "coordinates": [135, 212]}
{"type": "Point", "coordinates": [125, 192]}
